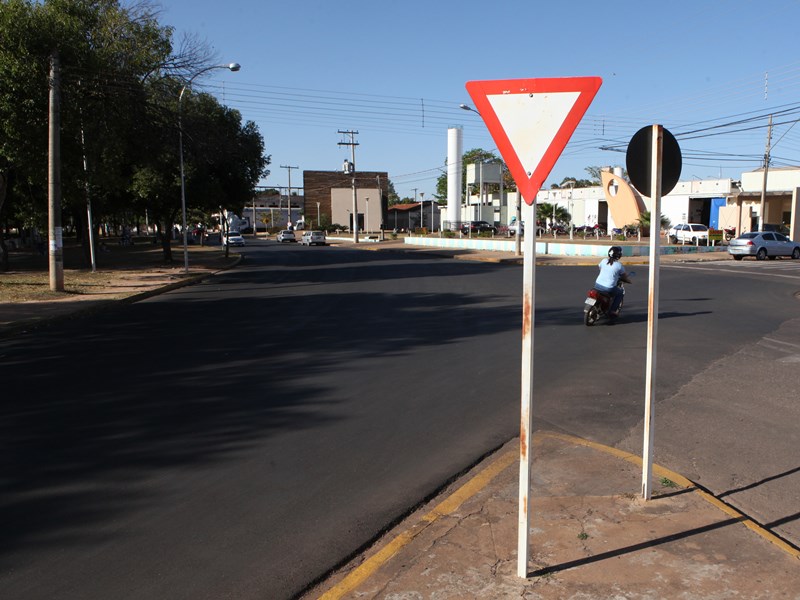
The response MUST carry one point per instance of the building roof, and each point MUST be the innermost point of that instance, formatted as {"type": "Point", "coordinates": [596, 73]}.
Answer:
{"type": "Point", "coordinates": [405, 207]}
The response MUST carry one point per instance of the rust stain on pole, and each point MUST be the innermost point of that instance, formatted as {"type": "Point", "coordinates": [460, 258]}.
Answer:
{"type": "Point", "coordinates": [523, 440]}
{"type": "Point", "coordinates": [526, 315]}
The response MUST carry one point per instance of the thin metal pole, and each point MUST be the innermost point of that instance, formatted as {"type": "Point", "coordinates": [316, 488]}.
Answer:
{"type": "Point", "coordinates": [652, 312]}
{"type": "Point", "coordinates": [518, 232]}
{"type": "Point", "coordinates": [89, 224]}
{"type": "Point", "coordinates": [526, 413]}
{"type": "Point", "coordinates": [183, 184]}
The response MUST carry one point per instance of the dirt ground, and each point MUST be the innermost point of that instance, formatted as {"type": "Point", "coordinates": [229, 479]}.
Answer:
{"type": "Point", "coordinates": [120, 271]}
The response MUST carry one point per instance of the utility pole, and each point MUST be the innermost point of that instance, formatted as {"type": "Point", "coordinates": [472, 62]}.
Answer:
{"type": "Point", "coordinates": [764, 183]}
{"type": "Point", "coordinates": [289, 203]}
{"type": "Point", "coordinates": [55, 232]}
{"type": "Point", "coordinates": [350, 169]}
{"type": "Point", "coordinates": [409, 213]}
{"type": "Point", "coordinates": [380, 203]}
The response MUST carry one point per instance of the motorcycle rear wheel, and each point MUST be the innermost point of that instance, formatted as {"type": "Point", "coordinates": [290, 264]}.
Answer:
{"type": "Point", "coordinates": [590, 316]}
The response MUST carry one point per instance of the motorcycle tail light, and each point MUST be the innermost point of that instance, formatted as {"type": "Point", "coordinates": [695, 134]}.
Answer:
{"type": "Point", "coordinates": [593, 294]}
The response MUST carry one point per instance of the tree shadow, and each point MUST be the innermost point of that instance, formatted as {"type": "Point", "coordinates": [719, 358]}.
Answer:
{"type": "Point", "coordinates": [153, 386]}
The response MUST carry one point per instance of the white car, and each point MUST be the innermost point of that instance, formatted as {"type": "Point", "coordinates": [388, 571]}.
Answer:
{"type": "Point", "coordinates": [689, 233]}
{"type": "Point", "coordinates": [313, 237]}
{"type": "Point", "coordinates": [234, 238]}
{"type": "Point", "coordinates": [286, 236]}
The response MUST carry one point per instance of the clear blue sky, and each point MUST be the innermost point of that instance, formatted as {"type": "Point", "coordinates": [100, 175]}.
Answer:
{"type": "Point", "coordinates": [395, 72]}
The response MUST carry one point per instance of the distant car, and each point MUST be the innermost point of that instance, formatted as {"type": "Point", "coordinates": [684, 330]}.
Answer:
{"type": "Point", "coordinates": [286, 236]}
{"type": "Point", "coordinates": [762, 245]}
{"type": "Point", "coordinates": [512, 227]}
{"type": "Point", "coordinates": [689, 233]}
{"type": "Point", "coordinates": [234, 238]}
{"type": "Point", "coordinates": [477, 227]}
{"type": "Point", "coordinates": [311, 238]}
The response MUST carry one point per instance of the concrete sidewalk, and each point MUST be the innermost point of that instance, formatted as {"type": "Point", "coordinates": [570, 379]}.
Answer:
{"type": "Point", "coordinates": [592, 536]}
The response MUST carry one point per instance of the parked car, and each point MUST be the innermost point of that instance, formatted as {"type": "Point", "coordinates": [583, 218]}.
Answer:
{"type": "Point", "coordinates": [477, 227]}
{"type": "Point", "coordinates": [311, 238]}
{"type": "Point", "coordinates": [286, 236]}
{"type": "Point", "coordinates": [780, 228]}
{"type": "Point", "coordinates": [512, 227]}
{"type": "Point", "coordinates": [233, 238]}
{"type": "Point", "coordinates": [762, 245]}
{"type": "Point", "coordinates": [689, 233]}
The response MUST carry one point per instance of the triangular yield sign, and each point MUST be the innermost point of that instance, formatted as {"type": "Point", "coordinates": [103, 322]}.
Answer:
{"type": "Point", "coordinates": [531, 121]}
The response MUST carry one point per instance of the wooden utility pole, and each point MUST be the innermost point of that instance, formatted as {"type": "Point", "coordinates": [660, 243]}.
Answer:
{"type": "Point", "coordinates": [764, 182]}
{"type": "Point", "coordinates": [55, 233]}
{"type": "Point", "coordinates": [289, 193]}
{"type": "Point", "coordinates": [350, 168]}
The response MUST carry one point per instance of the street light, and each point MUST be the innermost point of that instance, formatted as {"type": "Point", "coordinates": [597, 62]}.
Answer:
{"type": "Point", "coordinates": [468, 107]}
{"type": "Point", "coordinates": [231, 67]}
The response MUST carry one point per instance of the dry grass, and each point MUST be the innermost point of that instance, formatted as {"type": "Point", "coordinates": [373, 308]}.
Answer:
{"type": "Point", "coordinates": [120, 270]}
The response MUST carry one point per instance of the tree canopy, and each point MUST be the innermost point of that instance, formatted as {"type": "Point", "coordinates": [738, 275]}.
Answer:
{"type": "Point", "coordinates": [120, 83]}
{"type": "Point", "coordinates": [473, 156]}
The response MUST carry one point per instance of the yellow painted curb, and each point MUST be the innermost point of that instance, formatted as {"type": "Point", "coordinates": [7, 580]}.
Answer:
{"type": "Point", "coordinates": [448, 506]}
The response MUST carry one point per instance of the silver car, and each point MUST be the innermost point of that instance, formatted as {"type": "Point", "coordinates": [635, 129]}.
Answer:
{"type": "Point", "coordinates": [762, 245]}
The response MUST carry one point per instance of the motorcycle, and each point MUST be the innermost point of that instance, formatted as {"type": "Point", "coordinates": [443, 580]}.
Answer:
{"type": "Point", "coordinates": [598, 303]}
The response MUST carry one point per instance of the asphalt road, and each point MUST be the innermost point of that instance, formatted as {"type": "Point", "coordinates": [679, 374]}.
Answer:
{"type": "Point", "coordinates": [240, 437]}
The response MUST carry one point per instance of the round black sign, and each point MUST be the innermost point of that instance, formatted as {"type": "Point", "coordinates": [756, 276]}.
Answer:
{"type": "Point", "coordinates": [639, 158]}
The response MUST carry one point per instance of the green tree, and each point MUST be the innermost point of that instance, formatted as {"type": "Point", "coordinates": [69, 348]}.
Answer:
{"type": "Point", "coordinates": [473, 156]}
{"type": "Point", "coordinates": [105, 51]}
{"type": "Point", "coordinates": [644, 221]}
{"type": "Point", "coordinates": [121, 77]}
{"type": "Point", "coordinates": [594, 174]}
{"type": "Point", "coordinates": [392, 194]}
{"type": "Point", "coordinates": [545, 212]}
{"type": "Point", "coordinates": [223, 159]}
{"type": "Point", "coordinates": [571, 182]}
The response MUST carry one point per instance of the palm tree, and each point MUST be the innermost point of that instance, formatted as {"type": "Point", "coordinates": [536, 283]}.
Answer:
{"type": "Point", "coordinates": [545, 212]}
{"type": "Point", "coordinates": [644, 222]}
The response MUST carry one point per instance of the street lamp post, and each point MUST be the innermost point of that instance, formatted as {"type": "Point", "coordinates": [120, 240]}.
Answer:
{"type": "Point", "coordinates": [231, 67]}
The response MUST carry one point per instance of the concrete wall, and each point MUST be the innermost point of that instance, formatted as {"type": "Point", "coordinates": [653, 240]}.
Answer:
{"type": "Point", "coordinates": [778, 179]}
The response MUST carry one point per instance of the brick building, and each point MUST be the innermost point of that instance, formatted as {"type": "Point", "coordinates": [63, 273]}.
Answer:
{"type": "Point", "coordinates": [329, 196]}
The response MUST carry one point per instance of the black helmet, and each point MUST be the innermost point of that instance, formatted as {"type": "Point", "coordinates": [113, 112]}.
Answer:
{"type": "Point", "coordinates": [615, 252]}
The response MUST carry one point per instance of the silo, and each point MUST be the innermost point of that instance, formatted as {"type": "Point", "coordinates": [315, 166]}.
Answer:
{"type": "Point", "coordinates": [454, 176]}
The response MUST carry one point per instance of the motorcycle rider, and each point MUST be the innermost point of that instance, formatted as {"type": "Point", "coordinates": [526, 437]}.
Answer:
{"type": "Point", "coordinates": [611, 273]}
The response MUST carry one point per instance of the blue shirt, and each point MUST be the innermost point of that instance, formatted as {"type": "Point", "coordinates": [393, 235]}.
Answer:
{"type": "Point", "coordinates": [609, 274]}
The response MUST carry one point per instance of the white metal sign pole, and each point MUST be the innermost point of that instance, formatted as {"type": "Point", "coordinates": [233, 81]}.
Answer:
{"type": "Point", "coordinates": [652, 312]}
{"type": "Point", "coordinates": [526, 414]}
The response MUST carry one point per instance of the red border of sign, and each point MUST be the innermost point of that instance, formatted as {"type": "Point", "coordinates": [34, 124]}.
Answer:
{"type": "Point", "coordinates": [479, 91]}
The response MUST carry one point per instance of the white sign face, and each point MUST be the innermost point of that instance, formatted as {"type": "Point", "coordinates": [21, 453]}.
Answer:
{"type": "Point", "coordinates": [532, 121]}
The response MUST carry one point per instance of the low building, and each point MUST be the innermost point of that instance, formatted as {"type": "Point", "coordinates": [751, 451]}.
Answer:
{"type": "Point", "coordinates": [329, 198]}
